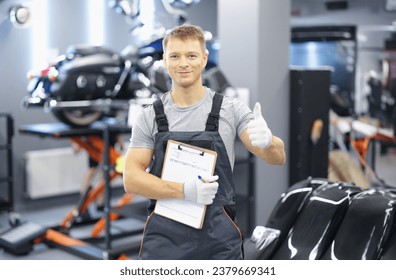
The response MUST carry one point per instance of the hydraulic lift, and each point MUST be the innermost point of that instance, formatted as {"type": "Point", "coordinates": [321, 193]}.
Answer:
{"type": "Point", "coordinates": [95, 140]}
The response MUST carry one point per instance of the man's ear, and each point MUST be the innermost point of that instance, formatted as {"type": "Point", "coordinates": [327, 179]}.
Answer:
{"type": "Point", "coordinates": [206, 57]}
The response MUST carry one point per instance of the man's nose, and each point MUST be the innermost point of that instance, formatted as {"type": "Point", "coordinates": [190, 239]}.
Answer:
{"type": "Point", "coordinates": [183, 62]}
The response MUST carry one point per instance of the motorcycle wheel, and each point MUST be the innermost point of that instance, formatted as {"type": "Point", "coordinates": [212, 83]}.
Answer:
{"type": "Point", "coordinates": [77, 117]}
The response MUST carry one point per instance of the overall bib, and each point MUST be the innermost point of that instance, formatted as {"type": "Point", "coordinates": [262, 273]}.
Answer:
{"type": "Point", "coordinates": [220, 237]}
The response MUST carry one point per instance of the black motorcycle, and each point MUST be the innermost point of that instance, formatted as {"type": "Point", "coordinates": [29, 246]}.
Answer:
{"type": "Point", "coordinates": [89, 82]}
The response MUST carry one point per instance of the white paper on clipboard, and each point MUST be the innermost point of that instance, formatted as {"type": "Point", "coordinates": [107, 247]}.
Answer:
{"type": "Point", "coordinates": [183, 163]}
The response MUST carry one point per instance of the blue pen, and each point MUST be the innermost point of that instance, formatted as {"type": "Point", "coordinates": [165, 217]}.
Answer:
{"type": "Point", "coordinates": [206, 181]}
{"type": "Point", "coordinates": [202, 179]}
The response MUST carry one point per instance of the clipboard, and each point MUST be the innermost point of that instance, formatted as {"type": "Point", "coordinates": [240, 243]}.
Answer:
{"type": "Point", "coordinates": [184, 162]}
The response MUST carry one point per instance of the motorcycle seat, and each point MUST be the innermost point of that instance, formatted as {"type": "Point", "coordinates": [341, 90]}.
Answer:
{"type": "Point", "coordinates": [85, 50]}
{"type": "Point", "coordinates": [365, 228]}
{"type": "Point", "coordinates": [284, 214]}
{"type": "Point", "coordinates": [317, 223]}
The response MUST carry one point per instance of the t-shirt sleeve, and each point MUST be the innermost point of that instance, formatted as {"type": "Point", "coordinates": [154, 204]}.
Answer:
{"type": "Point", "coordinates": [243, 115]}
{"type": "Point", "coordinates": [142, 131]}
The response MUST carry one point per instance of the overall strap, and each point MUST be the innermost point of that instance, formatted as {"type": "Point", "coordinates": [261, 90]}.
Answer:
{"type": "Point", "coordinates": [212, 123]}
{"type": "Point", "coordinates": [160, 117]}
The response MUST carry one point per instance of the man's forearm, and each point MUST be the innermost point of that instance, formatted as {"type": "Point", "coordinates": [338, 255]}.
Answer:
{"type": "Point", "coordinates": [147, 185]}
{"type": "Point", "coordinates": [275, 154]}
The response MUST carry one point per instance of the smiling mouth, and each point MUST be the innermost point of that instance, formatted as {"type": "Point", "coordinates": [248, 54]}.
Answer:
{"type": "Point", "coordinates": [184, 72]}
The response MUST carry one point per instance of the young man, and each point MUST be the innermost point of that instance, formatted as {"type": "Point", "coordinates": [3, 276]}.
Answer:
{"type": "Point", "coordinates": [183, 115]}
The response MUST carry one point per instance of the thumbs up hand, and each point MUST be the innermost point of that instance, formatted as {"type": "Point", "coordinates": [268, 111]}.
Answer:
{"type": "Point", "coordinates": [259, 133]}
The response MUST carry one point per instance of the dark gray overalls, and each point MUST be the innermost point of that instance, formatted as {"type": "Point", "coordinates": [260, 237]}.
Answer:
{"type": "Point", "coordinates": [220, 237]}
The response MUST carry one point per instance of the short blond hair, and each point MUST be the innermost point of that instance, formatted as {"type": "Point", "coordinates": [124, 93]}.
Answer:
{"type": "Point", "coordinates": [185, 32]}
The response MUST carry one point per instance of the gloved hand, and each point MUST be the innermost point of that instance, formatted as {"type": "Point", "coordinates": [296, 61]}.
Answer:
{"type": "Point", "coordinates": [259, 133]}
{"type": "Point", "coordinates": [198, 191]}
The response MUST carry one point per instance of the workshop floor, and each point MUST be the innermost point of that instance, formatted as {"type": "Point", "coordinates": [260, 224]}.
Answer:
{"type": "Point", "coordinates": [50, 218]}
{"type": "Point", "coordinates": [43, 218]}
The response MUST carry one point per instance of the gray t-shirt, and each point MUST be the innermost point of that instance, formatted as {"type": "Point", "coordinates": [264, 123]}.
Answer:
{"type": "Point", "coordinates": [234, 118]}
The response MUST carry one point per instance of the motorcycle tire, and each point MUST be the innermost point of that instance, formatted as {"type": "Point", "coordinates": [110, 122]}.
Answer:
{"type": "Point", "coordinates": [78, 117]}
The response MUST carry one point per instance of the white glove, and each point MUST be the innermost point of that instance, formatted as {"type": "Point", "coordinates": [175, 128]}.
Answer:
{"type": "Point", "coordinates": [259, 133]}
{"type": "Point", "coordinates": [200, 192]}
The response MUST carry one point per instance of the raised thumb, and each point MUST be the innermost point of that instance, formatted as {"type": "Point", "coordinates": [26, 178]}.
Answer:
{"type": "Point", "coordinates": [257, 110]}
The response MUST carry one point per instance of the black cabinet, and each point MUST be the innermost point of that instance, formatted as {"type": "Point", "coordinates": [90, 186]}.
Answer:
{"type": "Point", "coordinates": [309, 105]}
{"type": "Point", "coordinates": [6, 177]}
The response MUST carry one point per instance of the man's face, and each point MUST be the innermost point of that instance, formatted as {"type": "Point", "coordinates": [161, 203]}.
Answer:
{"type": "Point", "coordinates": [184, 60]}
